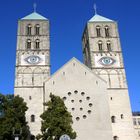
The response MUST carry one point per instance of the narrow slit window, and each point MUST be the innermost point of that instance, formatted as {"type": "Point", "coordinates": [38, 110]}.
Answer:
{"type": "Point", "coordinates": [134, 121]}
{"type": "Point", "coordinates": [29, 29]}
{"type": "Point", "coordinates": [100, 45]}
{"type": "Point", "coordinates": [37, 44]}
{"type": "Point", "coordinates": [32, 118]}
{"type": "Point", "coordinates": [37, 29]}
{"type": "Point", "coordinates": [98, 31]}
{"type": "Point", "coordinates": [122, 116]}
{"type": "Point", "coordinates": [138, 121]}
{"type": "Point", "coordinates": [113, 119]}
{"type": "Point", "coordinates": [28, 44]}
{"type": "Point", "coordinates": [107, 31]}
{"type": "Point", "coordinates": [109, 46]}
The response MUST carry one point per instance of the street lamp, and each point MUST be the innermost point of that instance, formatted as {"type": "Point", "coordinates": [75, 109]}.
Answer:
{"type": "Point", "coordinates": [17, 133]}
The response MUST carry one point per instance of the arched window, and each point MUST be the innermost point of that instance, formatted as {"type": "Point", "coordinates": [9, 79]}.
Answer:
{"type": "Point", "coordinates": [113, 119]}
{"type": "Point", "coordinates": [30, 97]}
{"type": "Point", "coordinates": [134, 121]}
{"type": "Point", "coordinates": [37, 43]}
{"type": "Point", "coordinates": [37, 29]}
{"type": "Point", "coordinates": [100, 45]}
{"type": "Point", "coordinates": [115, 138]}
{"type": "Point", "coordinates": [29, 29]}
{"type": "Point", "coordinates": [122, 116]}
{"type": "Point", "coordinates": [106, 31]}
{"type": "Point", "coordinates": [138, 121]}
{"type": "Point", "coordinates": [98, 31]}
{"type": "Point", "coordinates": [108, 46]}
{"type": "Point", "coordinates": [29, 44]}
{"type": "Point", "coordinates": [32, 118]}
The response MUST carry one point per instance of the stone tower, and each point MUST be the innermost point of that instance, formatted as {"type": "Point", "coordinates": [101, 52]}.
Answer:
{"type": "Point", "coordinates": [102, 53]}
{"type": "Point", "coordinates": [32, 65]}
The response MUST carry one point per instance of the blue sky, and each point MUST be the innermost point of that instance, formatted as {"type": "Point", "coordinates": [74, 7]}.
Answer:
{"type": "Point", "coordinates": [68, 19]}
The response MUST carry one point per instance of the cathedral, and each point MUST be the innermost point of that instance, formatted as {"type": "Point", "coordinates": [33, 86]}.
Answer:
{"type": "Point", "coordinates": [95, 91]}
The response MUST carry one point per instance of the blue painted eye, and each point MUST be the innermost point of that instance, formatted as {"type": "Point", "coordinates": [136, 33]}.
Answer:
{"type": "Point", "coordinates": [33, 59]}
{"type": "Point", "coordinates": [107, 61]}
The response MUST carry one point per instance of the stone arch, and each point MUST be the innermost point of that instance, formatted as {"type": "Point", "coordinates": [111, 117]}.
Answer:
{"type": "Point", "coordinates": [113, 72]}
{"type": "Point", "coordinates": [38, 77]}
{"type": "Point", "coordinates": [37, 71]}
{"type": "Point", "coordinates": [104, 74]}
{"type": "Point", "coordinates": [19, 71]}
{"type": "Point", "coordinates": [114, 79]}
{"type": "Point", "coordinates": [19, 80]}
{"type": "Point", "coordinates": [27, 70]}
{"type": "Point", "coordinates": [45, 71]}
{"type": "Point", "coordinates": [122, 79]}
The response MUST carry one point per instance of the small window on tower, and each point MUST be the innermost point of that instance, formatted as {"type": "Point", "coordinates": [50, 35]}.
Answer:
{"type": "Point", "coordinates": [107, 31]}
{"type": "Point", "coordinates": [98, 31]}
{"type": "Point", "coordinates": [37, 43]}
{"type": "Point", "coordinates": [30, 98]}
{"type": "Point", "coordinates": [100, 45]}
{"type": "Point", "coordinates": [122, 116]}
{"type": "Point", "coordinates": [113, 119]}
{"type": "Point", "coordinates": [134, 121]}
{"type": "Point", "coordinates": [32, 118]}
{"type": "Point", "coordinates": [29, 29]}
{"type": "Point", "coordinates": [109, 46]}
{"type": "Point", "coordinates": [37, 29]}
{"type": "Point", "coordinates": [29, 44]}
{"type": "Point", "coordinates": [138, 121]}
{"type": "Point", "coordinates": [115, 138]}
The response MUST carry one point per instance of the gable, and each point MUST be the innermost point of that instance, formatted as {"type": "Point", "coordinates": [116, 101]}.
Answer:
{"type": "Point", "coordinates": [85, 96]}
{"type": "Point", "coordinates": [71, 67]}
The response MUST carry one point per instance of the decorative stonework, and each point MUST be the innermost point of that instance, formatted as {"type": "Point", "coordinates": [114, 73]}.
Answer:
{"type": "Point", "coordinates": [78, 101]}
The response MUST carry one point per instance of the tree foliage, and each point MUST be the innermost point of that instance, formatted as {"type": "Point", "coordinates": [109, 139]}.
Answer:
{"type": "Point", "coordinates": [12, 117]}
{"type": "Point", "coordinates": [56, 120]}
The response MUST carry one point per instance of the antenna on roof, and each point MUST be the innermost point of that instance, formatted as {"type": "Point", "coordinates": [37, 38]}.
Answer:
{"type": "Point", "coordinates": [95, 8]}
{"type": "Point", "coordinates": [35, 6]}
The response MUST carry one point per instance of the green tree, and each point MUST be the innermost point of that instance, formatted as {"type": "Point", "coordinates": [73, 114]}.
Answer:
{"type": "Point", "coordinates": [56, 120]}
{"type": "Point", "coordinates": [12, 117]}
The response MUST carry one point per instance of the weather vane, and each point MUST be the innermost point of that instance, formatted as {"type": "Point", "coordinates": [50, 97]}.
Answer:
{"type": "Point", "coordinates": [35, 5]}
{"type": "Point", "coordinates": [95, 9]}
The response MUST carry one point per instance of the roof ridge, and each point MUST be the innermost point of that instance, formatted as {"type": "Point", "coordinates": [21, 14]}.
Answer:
{"type": "Point", "coordinates": [34, 16]}
{"type": "Point", "coordinates": [100, 18]}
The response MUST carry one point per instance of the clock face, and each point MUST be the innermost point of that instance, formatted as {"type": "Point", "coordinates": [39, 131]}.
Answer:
{"type": "Point", "coordinates": [33, 59]}
{"type": "Point", "coordinates": [64, 137]}
{"type": "Point", "coordinates": [107, 61]}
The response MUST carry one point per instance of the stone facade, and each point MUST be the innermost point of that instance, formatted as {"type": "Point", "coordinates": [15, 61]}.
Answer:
{"type": "Point", "coordinates": [30, 74]}
{"type": "Point", "coordinates": [95, 93]}
{"type": "Point", "coordinates": [85, 96]}
{"type": "Point", "coordinates": [102, 53]}
{"type": "Point", "coordinates": [136, 122]}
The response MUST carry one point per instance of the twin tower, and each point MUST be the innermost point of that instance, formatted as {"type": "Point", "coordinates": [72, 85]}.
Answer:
{"type": "Point", "coordinates": [95, 92]}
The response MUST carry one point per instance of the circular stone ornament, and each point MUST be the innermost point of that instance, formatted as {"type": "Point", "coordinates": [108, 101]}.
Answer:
{"type": "Point", "coordinates": [64, 137]}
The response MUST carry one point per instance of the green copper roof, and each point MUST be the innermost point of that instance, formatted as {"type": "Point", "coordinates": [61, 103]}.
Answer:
{"type": "Point", "coordinates": [98, 18]}
{"type": "Point", "coordinates": [34, 16]}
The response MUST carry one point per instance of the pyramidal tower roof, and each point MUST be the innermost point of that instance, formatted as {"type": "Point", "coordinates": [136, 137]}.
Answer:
{"type": "Point", "coordinates": [34, 16]}
{"type": "Point", "coordinates": [98, 18]}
